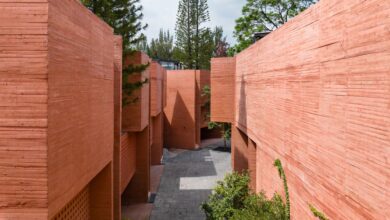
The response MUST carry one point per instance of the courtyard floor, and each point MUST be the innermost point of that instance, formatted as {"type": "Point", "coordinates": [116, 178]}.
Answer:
{"type": "Point", "coordinates": [187, 180]}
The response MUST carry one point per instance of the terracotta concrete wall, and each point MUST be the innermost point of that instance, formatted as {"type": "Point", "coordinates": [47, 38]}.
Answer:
{"type": "Point", "coordinates": [139, 187]}
{"type": "Point", "coordinates": [128, 159]}
{"type": "Point", "coordinates": [157, 102]}
{"type": "Point", "coordinates": [156, 88]}
{"type": "Point", "coordinates": [202, 80]}
{"type": "Point", "coordinates": [80, 102]}
{"type": "Point", "coordinates": [117, 125]}
{"type": "Point", "coordinates": [180, 111]}
{"type": "Point", "coordinates": [157, 139]}
{"type": "Point", "coordinates": [222, 92]}
{"type": "Point", "coordinates": [135, 114]}
{"type": "Point", "coordinates": [56, 126]}
{"type": "Point", "coordinates": [23, 111]}
{"type": "Point", "coordinates": [315, 94]}
{"type": "Point", "coordinates": [136, 118]}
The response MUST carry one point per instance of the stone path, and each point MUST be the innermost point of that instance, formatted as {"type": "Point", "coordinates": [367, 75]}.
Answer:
{"type": "Point", "coordinates": [188, 178]}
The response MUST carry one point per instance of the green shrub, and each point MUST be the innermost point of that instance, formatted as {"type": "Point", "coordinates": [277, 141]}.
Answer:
{"type": "Point", "coordinates": [258, 207]}
{"type": "Point", "coordinates": [232, 199]}
{"type": "Point", "coordinates": [228, 196]}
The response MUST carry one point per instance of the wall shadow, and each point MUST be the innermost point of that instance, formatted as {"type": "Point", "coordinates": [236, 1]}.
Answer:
{"type": "Point", "coordinates": [181, 130]}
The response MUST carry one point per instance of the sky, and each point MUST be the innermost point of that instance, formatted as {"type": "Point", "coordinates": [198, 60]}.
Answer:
{"type": "Point", "coordinates": [162, 14]}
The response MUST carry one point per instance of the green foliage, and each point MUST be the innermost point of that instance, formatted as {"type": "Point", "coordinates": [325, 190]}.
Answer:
{"type": "Point", "coordinates": [278, 165]}
{"type": "Point", "coordinates": [196, 44]}
{"type": "Point", "coordinates": [258, 207]}
{"type": "Point", "coordinates": [232, 199]}
{"type": "Point", "coordinates": [265, 16]}
{"type": "Point", "coordinates": [220, 44]}
{"type": "Point", "coordinates": [228, 196]}
{"type": "Point", "coordinates": [191, 17]}
{"type": "Point", "coordinates": [125, 17]}
{"type": "Point", "coordinates": [317, 213]}
{"type": "Point", "coordinates": [162, 47]}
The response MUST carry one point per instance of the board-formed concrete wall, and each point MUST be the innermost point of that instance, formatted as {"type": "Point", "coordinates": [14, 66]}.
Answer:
{"type": "Point", "coordinates": [315, 94]}
{"type": "Point", "coordinates": [135, 114]}
{"type": "Point", "coordinates": [183, 110]}
{"type": "Point", "coordinates": [222, 94]}
{"type": "Point", "coordinates": [157, 103]}
{"type": "Point", "coordinates": [23, 115]}
{"type": "Point", "coordinates": [56, 126]}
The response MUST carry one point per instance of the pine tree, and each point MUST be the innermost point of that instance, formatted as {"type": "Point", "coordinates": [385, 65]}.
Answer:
{"type": "Point", "coordinates": [125, 17]}
{"type": "Point", "coordinates": [190, 31]}
{"type": "Point", "coordinates": [162, 47]}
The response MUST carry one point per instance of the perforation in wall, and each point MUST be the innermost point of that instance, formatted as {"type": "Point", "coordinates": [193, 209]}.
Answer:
{"type": "Point", "coordinates": [77, 209]}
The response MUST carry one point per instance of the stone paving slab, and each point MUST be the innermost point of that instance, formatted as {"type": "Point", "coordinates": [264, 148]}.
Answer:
{"type": "Point", "coordinates": [187, 181]}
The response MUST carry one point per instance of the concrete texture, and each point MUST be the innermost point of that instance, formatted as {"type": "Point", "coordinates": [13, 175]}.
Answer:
{"type": "Point", "coordinates": [56, 136]}
{"type": "Point", "coordinates": [136, 113]}
{"type": "Point", "coordinates": [222, 92]}
{"type": "Point", "coordinates": [315, 94]}
{"type": "Point", "coordinates": [188, 178]}
{"type": "Point", "coordinates": [183, 112]}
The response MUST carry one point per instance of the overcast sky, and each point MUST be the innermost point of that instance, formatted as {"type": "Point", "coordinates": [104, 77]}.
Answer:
{"type": "Point", "coordinates": [162, 14]}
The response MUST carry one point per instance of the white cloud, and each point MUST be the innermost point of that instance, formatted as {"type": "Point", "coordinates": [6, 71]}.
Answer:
{"type": "Point", "coordinates": [162, 14]}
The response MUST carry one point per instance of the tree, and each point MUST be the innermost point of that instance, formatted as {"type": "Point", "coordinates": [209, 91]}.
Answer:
{"type": "Point", "coordinates": [191, 16]}
{"type": "Point", "coordinates": [162, 47]}
{"type": "Point", "coordinates": [265, 16]}
{"type": "Point", "coordinates": [221, 46]}
{"type": "Point", "coordinates": [125, 17]}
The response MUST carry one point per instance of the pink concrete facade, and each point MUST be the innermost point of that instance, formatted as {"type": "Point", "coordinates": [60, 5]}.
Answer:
{"type": "Point", "coordinates": [56, 138]}
{"type": "Point", "coordinates": [63, 151]}
{"type": "Point", "coordinates": [315, 94]}
{"type": "Point", "coordinates": [183, 109]}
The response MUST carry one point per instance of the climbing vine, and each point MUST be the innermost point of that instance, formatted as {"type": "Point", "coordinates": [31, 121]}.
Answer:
{"type": "Point", "coordinates": [282, 175]}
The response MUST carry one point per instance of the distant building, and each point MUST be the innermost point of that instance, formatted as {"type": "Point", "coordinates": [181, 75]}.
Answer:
{"type": "Point", "coordinates": [170, 64]}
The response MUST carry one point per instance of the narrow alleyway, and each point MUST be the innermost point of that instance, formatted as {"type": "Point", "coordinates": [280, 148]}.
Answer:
{"type": "Point", "coordinates": [188, 178]}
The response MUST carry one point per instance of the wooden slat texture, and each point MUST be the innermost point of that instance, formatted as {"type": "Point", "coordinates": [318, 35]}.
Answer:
{"type": "Point", "coordinates": [315, 93]}
{"type": "Point", "coordinates": [222, 92]}
{"type": "Point", "coordinates": [81, 101]}
{"type": "Point", "coordinates": [23, 109]}
{"type": "Point", "coordinates": [135, 115]}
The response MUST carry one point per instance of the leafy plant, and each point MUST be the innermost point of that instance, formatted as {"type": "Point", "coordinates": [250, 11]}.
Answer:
{"type": "Point", "coordinates": [228, 196]}
{"type": "Point", "coordinates": [317, 213]}
{"type": "Point", "coordinates": [278, 165]}
{"type": "Point", "coordinates": [264, 16]}
{"type": "Point", "coordinates": [259, 207]}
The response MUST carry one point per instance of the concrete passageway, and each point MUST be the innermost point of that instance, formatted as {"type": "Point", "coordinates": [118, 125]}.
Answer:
{"type": "Point", "coordinates": [187, 180]}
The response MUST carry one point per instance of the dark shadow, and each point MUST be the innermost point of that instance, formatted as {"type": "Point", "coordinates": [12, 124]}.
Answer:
{"type": "Point", "coordinates": [223, 149]}
{"type": "Point", "coordinates": [242, 117]}
{"type": "Point", "coordinates": [181, 132]}
{"type": "Point", "coordinates": [206, 133]}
